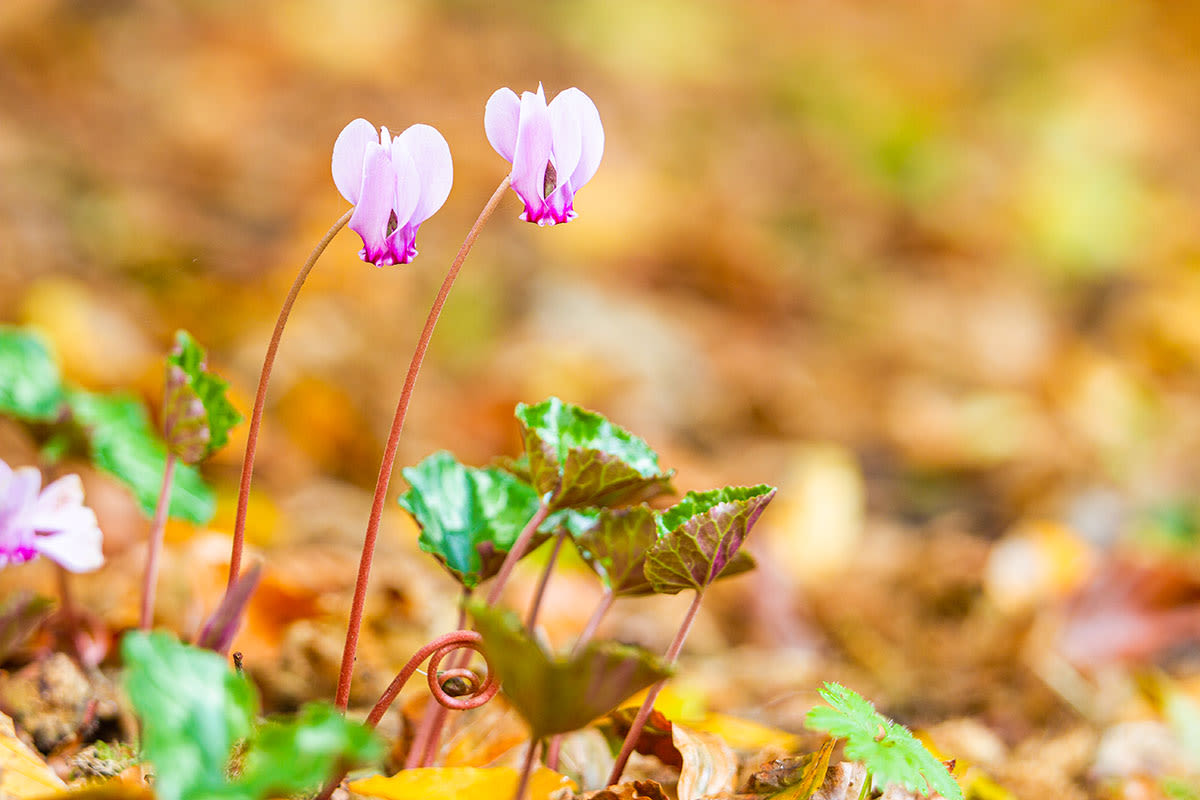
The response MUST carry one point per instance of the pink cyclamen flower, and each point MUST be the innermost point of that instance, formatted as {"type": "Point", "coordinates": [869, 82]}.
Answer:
{"type": "Point", "coordinates": [53, 522]}
{"type": "Point", "coordinates": [554, 149]}
{"type": "Point", "coordinates": [394, 185]}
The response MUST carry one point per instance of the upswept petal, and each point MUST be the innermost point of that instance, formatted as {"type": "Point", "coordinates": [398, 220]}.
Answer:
{"type": "Point", "coordinates": [431, 154]}
{"type": "Point", "coordinates": [22, 490]}
{"type": "Point", "coordinates": [532, 154]}
{"type": "Point", "coordinates": [349, 153]}
{"type": "Point", "coordinates": [568, 144]}
{"type": "Point", "coordinates": [76, 550]}
{"type": "Point", "coordinates": [408, 183]}
{"type": "Point", "coordinates": [58, 505]}
{"type": "Point", "coordinates": [575, 104]}
{"type": "Point", "coordinates": [501, 119]}
{"type": "Point", "coordinates": [376, 201]}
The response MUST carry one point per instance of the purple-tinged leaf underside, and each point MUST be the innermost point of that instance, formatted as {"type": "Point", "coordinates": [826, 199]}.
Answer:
{"type": "Point", "coordinates": [701, 537]}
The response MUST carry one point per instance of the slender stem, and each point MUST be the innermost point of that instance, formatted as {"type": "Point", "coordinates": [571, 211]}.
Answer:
{"type": "Point", "coordinates": [69, 618]}
{"type": "Point", "coordinates": [545, 580]}
{"type": "Point", "coordinates": [342, 698]}
{"type": "Point", "coordinates": [157, 527]}
{"type": "Point", "coordinates": [516, 552]}
{"type": "Point", "coordinates": [602, 608]}
{"type": "Point", "coordinates": [588, 632]}
{"type": "Point", "coordinates": [644, 712]}
{"type": "Point", "coordinates": [527, 770]}
{"type": "Point", "coordinates": [260, 399]}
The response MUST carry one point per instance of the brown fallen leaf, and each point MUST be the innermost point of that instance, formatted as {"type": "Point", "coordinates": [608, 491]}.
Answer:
{"type": "Point", "coordinates": [23, 773]}
{"type": "Point", "coordinates": [635, 790]}
{"type": "Point", "coordinates": [843, 781]}
{"type": "Point", "coordinates": [655, 738]}
{"type": "Point", "coordinates": [792, 778]}
{"type": "Point", "coordinates": [709, 764]}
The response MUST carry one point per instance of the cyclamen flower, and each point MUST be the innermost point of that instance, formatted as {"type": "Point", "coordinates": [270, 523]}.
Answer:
{"type": "Point", "coordinates": [394, 185]}
{"type": "Point", "coordinates": [53, 523]}
{"type": "Point", "coordinates": [554, 149]}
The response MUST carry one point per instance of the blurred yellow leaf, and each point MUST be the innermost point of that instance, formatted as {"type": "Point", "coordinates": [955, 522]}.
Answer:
{"type": "Point", "coordinates": [23, 773]}
{"type": "Point", "coordinates": [459, 783]}
{"type": "Point", "coordinates": [744, 734]}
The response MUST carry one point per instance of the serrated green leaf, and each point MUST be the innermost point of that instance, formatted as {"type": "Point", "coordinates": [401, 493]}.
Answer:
{"type": "Point", "coordinates": [890, 752]}
{"type": "Point", "coordinates": [556, 694]}
{"type": "Point", "coordinates": [197, 414]}
{"type": "Point", "coordinates": [469, 517]}
{"type": "Point", "coordinates": [123, 443]}
{"type": "Point", "coordinates": [30, 386]}
{"type": "Point", "coordinates": [701, 535]}
{"type": "Point", "coordinates": [578, 458]}
{"type": "Point", "coordinates": [192, 707]}
{"type": "Point", "coordinates": [294, 756]}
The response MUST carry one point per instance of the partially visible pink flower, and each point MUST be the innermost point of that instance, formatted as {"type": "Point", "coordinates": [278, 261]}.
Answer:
{"type": "Point", "coordinates": [53, 522]}
{"type": "Point", "coordinates": [554, 149]}
{"type": "Point", "coordinates": [394, 185]}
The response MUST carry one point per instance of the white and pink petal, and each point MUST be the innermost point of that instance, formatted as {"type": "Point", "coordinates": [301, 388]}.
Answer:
{"type": "Point", "coordinates": [349, 157]}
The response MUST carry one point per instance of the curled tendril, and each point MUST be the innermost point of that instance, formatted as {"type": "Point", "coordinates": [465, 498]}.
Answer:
{"type": "Point", "coordinates": [478, 692]}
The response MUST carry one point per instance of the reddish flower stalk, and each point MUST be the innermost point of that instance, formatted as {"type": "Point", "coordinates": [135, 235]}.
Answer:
{"type": "Point", "coordinates": [157, 528]}
{"type": "Point", "coordinates": [435, 713]}
{"type": "Point", "coordinates": [536, 605]}
{"type": "Point", "coordinates": [643, 714]}
{"type": "Point", "coordinates": [260, 399]}
{"type": "Point", "coordinates": [526, 771]}
{"type": "Point", "coordinates": [342, 698]}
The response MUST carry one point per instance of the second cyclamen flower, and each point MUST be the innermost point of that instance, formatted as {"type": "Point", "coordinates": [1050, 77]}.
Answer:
{"type": "Point", "coordinates": [394, 185]}
{"type": "Point", "coordinates": [554, 149]}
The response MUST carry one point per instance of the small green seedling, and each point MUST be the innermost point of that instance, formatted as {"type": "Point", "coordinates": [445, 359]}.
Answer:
{"type": "Point", "coordinates": [889, 751]}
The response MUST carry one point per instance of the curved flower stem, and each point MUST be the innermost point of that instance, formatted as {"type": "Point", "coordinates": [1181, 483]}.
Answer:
{"type": "Point", "coordinates": [536, 605]}
{"type": "Point", "coordinates": [157, 528]}
{"type": "Point", "coordinates": [260, 398]}
{"type": "Point", "coordinates": [435, 651]}
{"type": "Point", "coordinates": [435, 713]}
{"type": "Point", "coordinates": [643, 714]}
{"type": "Point", "coordinates": [602, 608]}
{"type": "Point", "coordinates": [342, 698]}
{"type": "Point", "coordinates": [516, 552]}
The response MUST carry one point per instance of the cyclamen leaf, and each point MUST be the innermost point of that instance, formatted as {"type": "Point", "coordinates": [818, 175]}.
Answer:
{"type": "Point", "coordinates": [701, 535]}
{"type": "Point", "coordinates": [890, 752]}
{"type": "Point", "coordinates": [615, 544]}
{"type": "Point", "coordinates": [123, 443]}
{"type": "Point", "coordinates": [30, 386]}
{"type": "Point", "coordinates": [193, 708]}
{"type": "Point", "coordinates": [469, 517]}
{"type": "Point", "coordinates": [197, 415]}
{"type": "Point", "coordinates": [289, 757]}
{"type": "Point", "coordinates": [556, 694]}
{"type": "Point", "coordinates": [579, 458]}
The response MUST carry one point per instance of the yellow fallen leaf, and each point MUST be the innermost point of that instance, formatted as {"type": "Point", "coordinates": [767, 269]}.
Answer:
{"type": "Point", "coordinates": [459, 783]}
{"type": "Point", "coordinates": [23, 773]}
{"type": "Point", "coordinates": [743, 734]}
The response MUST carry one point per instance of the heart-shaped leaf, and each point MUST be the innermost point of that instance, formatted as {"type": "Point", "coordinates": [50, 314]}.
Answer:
{"type": "Point", "coordinates": [123, 442]}
{"type": "Point", "coordinates": [290, 757]}
{"type": "Point", "coordinates": [196, 414]}
{"type": "Point", "coordinates": [556, 694]}
{"type": "Point", "coordinates": [193, 709]}
{"type": "Point", "coordinates": [701, 536]}
{"type": "Point", "coordinates": [578, 458]}
{"type": "Point", "coordinates": [469, 517]}
{"type": "Point", "coordinates": [30, 387]}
